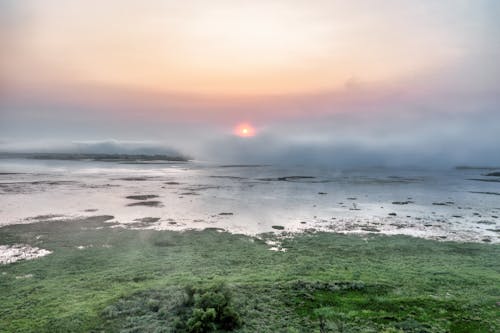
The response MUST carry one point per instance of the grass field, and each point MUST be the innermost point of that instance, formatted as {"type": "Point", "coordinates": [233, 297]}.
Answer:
{"type": "Point", "coordinates": [123, 280]}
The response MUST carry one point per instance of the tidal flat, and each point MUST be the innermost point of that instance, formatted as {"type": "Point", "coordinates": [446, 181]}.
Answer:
{"type": "Point", "coordinates": [442, 204]}
{"type": "Point", "coordinates": [101, 277]}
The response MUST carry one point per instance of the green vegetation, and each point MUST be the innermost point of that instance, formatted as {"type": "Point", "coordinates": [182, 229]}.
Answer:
{"type": "Point", "coordinates": [123, 280]}
{"type": "Point", "coordinates": [198, 310]}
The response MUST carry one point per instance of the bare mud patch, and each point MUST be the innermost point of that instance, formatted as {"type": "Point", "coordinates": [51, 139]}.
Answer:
{"type": "Point", "coordinates": [148, 219]}
{"type": "Point", "coordinates": [46, 217]}
{"type": "Point", "coordinates": [487, 193]}
{"type": "Point", "coordinates": [143, 222]}
{"type": "Point", "coordinates": [136, 179]}
{"type": "Point", "coordinates": [20, 187]}
{"type": "Point", "coordinates": [152, 203]}
{"type": "Point", "coordinates": [242, 165]}
{"type": "Point", "coordinates": [485, 180]}
{"type": "Point", "coordinates": [189, 193]}
{"type": "Point", "coordinates": [228, 177]}
{"type": "Point", "coordinates": [202, 187]}
{"type": "Point", "coordinates": [142, 197]}
{"type": "Point", "coordinates": [172, 183]}
{"type": "Point", "coordinates": [287, 179]}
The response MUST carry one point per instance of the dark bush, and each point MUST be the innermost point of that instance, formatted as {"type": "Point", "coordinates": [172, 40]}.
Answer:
{"type": "Point", "coordinates": [202, 321]}
{"type": "Point", "coordinates": [211, 310]}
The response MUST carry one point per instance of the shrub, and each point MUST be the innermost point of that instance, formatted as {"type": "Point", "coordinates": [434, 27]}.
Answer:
{"type": "Point", "coordinates": [202, 321]}
{"type": "Point", "coordinates": [211, 310]}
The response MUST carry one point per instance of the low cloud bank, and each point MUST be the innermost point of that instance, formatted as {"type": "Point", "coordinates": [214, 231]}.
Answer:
{"type": "Point", "coordinates": [389, 138]}
{"type": "Point", "coordinates": [381, 139]}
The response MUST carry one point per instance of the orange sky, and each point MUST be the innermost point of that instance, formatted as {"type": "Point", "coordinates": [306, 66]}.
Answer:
{"type": "Point", "coordinates": [227, 48]}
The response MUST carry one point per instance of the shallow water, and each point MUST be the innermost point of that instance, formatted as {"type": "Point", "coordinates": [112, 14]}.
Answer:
{"type": "Point", "coordinates": [438, 204]}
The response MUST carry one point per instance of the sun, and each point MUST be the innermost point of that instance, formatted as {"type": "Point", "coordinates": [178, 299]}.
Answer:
{"type": "Point", "coordinates": [244, 130]}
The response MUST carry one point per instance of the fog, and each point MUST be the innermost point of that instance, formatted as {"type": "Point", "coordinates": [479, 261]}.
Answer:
{"type": "Point", "coordinates": [341, 140]}
{"type": "Point", "coordinates": [401, 139]}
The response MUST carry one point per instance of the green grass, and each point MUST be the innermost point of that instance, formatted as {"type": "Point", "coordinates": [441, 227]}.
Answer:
{"type": "Point", "coordinates": [346, 283]}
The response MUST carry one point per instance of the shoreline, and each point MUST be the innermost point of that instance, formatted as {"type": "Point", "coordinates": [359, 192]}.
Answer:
{"type": "Point", "coordinates": [354, 226]}
{"type": "Point", "coordinates": [10, 253]}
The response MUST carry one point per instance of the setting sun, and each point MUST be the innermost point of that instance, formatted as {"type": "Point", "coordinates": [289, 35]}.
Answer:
{"type": "Point", "coordinates": [244, 130]}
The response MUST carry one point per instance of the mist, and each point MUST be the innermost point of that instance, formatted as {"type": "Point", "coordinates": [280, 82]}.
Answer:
{"type": "Point", "coordinates": [346, 139]}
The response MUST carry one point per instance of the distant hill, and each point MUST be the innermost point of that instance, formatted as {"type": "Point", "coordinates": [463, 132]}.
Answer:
{"type": "Point", "coordinates": [98, 157]}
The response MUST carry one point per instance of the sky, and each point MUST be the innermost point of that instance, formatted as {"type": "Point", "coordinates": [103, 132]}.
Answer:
{"type": "Point", "coordinates": [389, 82]}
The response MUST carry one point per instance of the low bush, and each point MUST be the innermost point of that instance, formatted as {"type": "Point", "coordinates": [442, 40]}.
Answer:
{"type": "Point", "coordinates": [194, 310]}
{"type": "Point", "coordinates": [209, 310]}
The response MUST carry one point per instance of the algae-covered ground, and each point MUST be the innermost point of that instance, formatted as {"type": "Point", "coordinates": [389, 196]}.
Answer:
{"type": "Point", "coordinates": [101, 278]}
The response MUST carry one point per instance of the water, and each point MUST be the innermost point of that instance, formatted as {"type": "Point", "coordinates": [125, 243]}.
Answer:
{"type": "Point", "coordinates": [437, 204]}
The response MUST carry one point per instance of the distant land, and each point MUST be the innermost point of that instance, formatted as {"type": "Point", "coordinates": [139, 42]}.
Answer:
{"type": "Point", "coordinates": [467, 167]}
{"type": "Point", "coordinates": [98, 157]}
